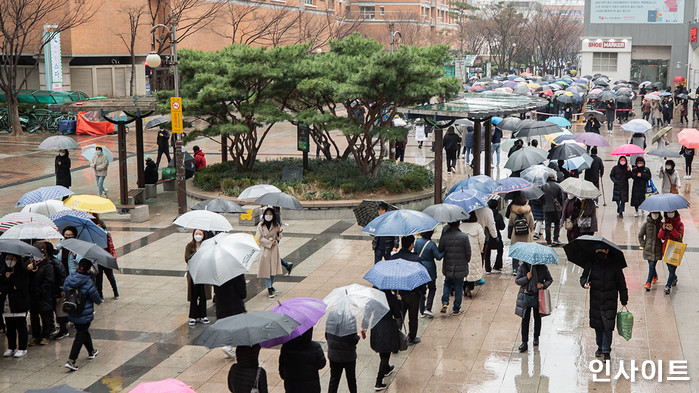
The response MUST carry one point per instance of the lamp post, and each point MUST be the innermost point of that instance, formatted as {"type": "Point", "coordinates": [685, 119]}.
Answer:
{"type": "Point", "coordinates": [393, 34]}
{"type": "Point", "coordinates": [153, 60]}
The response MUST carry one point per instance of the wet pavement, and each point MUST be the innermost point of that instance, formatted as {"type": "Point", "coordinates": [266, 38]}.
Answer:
{"type": "Point", "coordinates": [144, 336]}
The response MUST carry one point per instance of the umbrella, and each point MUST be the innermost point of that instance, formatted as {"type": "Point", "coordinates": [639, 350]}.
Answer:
{"type": "Point", "coordinates": [627, 150]}
{"type": "Point", "coordinates": [352, 303]}
{"type": "Point", "coordinates": [154, 121]}
{"type": "Point", "coordinates": [30, 231]}
{"type": "Point", "coordinates": [578, 163]}
{"type": "Point", "coordinates": [524, 158]}
{"type": "Point", "coordinates": [482, 183]}
{"type": "Point", "coordinates": [566, 151]}
{"type": "Point", "coordinates": [87, 230]}
{"type": "Point", "coordinates": [689, 138]}
{"type": "Point", "coordinates": [90, 204]}
{"type": "Point", "coordinates": [639, 126]}
{"type": "Point", "coordinates": [89, 152]}
{"type": "Point", "coordinates": [368, 210]}
{"type": "Point", "coordinates": [219, 205]}
{"type": "Point", "coordinates": [9, 220]}
{"type": "Point", "coordinates": [59, 142]}
{"type": "Point", "coordinates": [678, 79]}
{"type": "Point", "coordinates": [18, 247]}
{"type": "Point", "coordinates": [279, 199]}
{"type": "Point", "coordinates": [580, 188]}
{"type": "Point", "coordinates": [597, 115]}
{"type": "Point", "coordinates": [248, 328]}
{"type": "Point", "coordinates": [42, 194]}
{"type": "Point", "coordinates": [665, 153]}
{"type": "Point", "coordinates": [509, 123]}
{"type": "Point", "coordinates": [591, 139]}
{"type": "Point", "coordinates": [534, 253]}
{"type": "Point", "coordinates": [664, 203]}
{"type": "Point", "coordinates": [566, 98]}
{"type": "Point", "coordinates": [223, 258]}
{"type": "Point", "coordinates": [463, 122]}
{"type": "Point", "coordinates": [169, 385]}
{"type": "Point", "coordinates": [496, 120]}
{"type": "Point", "coordinates": [683, 96]}
{"type": "Point", "coordinates": [622, 98]}
{"type": "Point", "coordinates": [46, 208]}
{"type": "Point", "coordinates": [534, 128]}
{"type": "Point", "coordinates": [510, 184]}
{"type": "Point", "coordinates": [469, 200]}
{"type": "Point", "coordinates": [401, 222]}
{"type": "Point", "coordinates": [562, 139]}
{"type": "Point", "coordinates": [204, 220]}
{"type": "Point", "coordinates": [606, 96]}
{"type": "Point", "coordinates": [253, 192]}
{"type": "Point", "coordinates": [601, 82]}
{"type": "Point", "coordinates": [537, 174]}
{"type": "Point", "coordinates": [397, 274]}
{"type": "Point", "coordinates": [445, 212]}
{"type": "Point", "coordinates": [652, 97]}
{"type": "Point", "coordinates": [69, 212]}
{"type": "Point", "coordinates": [559, 121]}
{"type": "Point", "coordinates": [91, 252]}
{"type": "Point", "coordinates": [58, 389]}
{"type": "Point", "coordinates": [582, 250]}
{"type": "Point", "coordinates": [304, 310]}
{"type": "Point", "coordinates": [665, 94]}
{"type": "Point", "coordinates": [528, 194]}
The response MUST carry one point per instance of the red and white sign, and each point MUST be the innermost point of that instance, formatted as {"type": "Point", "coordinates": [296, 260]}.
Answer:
{"type": "Point", "coordinates": [607, 44]}
{"type": "Point", "coordinates": [617, 45]}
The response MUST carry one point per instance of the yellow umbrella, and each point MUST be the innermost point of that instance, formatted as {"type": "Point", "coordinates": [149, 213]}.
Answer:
{"type": "Point", "coordinates": [532, 85]}
{"type": "Point", "coordinates": [90, 204]}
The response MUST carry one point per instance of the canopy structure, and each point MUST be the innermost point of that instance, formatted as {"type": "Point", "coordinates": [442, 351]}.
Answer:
{"type": "Point", "coordinates": [46, 96]}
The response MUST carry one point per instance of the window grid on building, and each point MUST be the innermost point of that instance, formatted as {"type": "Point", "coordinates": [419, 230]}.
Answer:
{"type": "Point", "coordinates": [604, 61]}
{"type": "Point", "coordinates": [367, 12]}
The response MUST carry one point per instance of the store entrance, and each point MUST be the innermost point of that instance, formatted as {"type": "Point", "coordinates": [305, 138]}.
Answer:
{"type": "Point", "coordinates": [649, 70]}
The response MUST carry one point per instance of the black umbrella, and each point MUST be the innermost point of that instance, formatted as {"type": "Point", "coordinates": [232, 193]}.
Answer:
{"type": "Point", "coordinates": [601, 82]}
{"type": "Point", "coordinates": [20, 248]}
{"type": "Point", "coordinates": [156, 121]}
{"type": "Point", "coordinates": [582, 250]}
{"type": "Point", "coordinates": [219, 205]}
{"type": "Point", "coordinates": [90, 251]}
{"type": "Point", "coordinates": [188, 165]}
{"type": "Point", "coordinates": [683, 96]}
{"type": "Point", "coordinates": [509, 123]}
{"type": "Point", "coordinates": [445, 212]}
{"type": "Point", "coordinates": [248, 328]}
{"type": "Point", "coordinates": [607, 95]}
{"type": "Point", "coordinates": [566, 151]}
{"type": "Point", "coordinates": [593, 96]}
{"type": "Point", "coordinates": [566, 99]}
{"type": "Point", "coordinates": [534, 128]}
{"type": "Point", "coordinates": [597, 115]}
{"type": "Point", "coordinates": [367, 211]}
{"type": "Point", "coordinates": [624, 99]}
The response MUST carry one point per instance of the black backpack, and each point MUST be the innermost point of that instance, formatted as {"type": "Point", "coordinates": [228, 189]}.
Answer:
{"type": "Point", "coordinates": [73, 304]}
{"type": "Point", "coordinates": [521, 225]}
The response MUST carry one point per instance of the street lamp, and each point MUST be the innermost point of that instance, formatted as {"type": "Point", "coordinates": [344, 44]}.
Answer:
{"type": "Point", "coordinates": [393, 35]}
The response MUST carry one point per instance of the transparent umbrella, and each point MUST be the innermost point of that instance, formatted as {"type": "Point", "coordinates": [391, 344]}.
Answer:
{"type": "Point", "coordinates": [222, 258]}
{"type": "Point", "coordinates": [352, 303]}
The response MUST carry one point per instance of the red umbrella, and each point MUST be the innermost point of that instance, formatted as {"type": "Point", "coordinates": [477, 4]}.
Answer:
{"type": "Point", "coordinates": [678, 79]}
{"type": "Point", "coordinates": [546, 92]}
{"type": "Point", "coordinates": [627, 150]}
{"type": "Point", "coordinates": [689, 137]}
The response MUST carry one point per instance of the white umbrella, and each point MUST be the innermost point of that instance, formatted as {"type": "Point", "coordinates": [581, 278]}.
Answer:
{"type": "Point", "coordinates": [9, 220]}
{"type": "Point", "coordinates": [31, 230]}
{"type": "Point", "coordinates": [46, 208]}
{"type": "Point", "coordinates": [222, 258]}
{"type": "Point", "coordinates": [580, 188]}
{"type": "Point", "coordinates": [351, 304]}
{"type": "Point", "coordinates": [59, 142]}
{"type": "Point", "coordinates": [205, 220]}
{"type": "Point", "coordinates": [537, 174]}
{"type": "Point", "coordinates": [253, 192]}
{"type": "Point", "coordinates": [639, 126]}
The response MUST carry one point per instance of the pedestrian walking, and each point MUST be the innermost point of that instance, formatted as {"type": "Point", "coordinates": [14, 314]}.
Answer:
{"type": "Point", "coordinates": [596, 170]}
{"type": "Point", "coordinates": [230, 300]}
{"type": "Point", "coordinates": [299, 362]}
{"type": "Point", "coordinates": [569, 217]}
{"type": "Point", "coordinates": [451, 146]}
{"type": "Point", "coordinates": [531, 279]}
{"type": "Point", "coordinates": [684, 107]}
{"type": "Point", "coordinates": [639, 140]}
{"type": "Point", "coordinates": [657, 113]}
{"type": "Point", "coordinates": [342, 352]}
{"type": "Point", "coordinates": [592, 125]}
{"type": "Point", "coordinates": [645, 109]}
{"type": "Point", "coordinates": [670, 178]}
{"type": "Point", "coordinates": [521, 226]}
{"type": "Point", "coordinates": [652, 246]}
{"type": "Point", "coordinates": [457, 253]}
{"type": "Point", "coordinates": [495, 142]}
{"type": "Point", "coordinates": [62, 169]}
{"type": "Point", "coordinates": [400, 149]}
{"type": "Point", "coordinates": [688, 155]}
{"type": "Point", "coordinates": [640, 175]}
{"type": "Point", "coordinates": [476, 238]}
{"type": "Point", "coordinates": [385, 338]}
{"type": "Point", "coordinates": [429, 253]}
{"type": "Point", "coordinates": [383, 245]}
{"type": "Point", "coordinates": [82, 282]}
{"type": "Point", "coordinates": [268, 234]}
{"type": "Point", "coordinates": [587, 221]}
{"type": "Point", "coordinates": [537, 206]}
{"type": "Point", "coordinates": [495, 242]}
{"type": "Point", "coordinates": [163, 141]}
{"type": "Point", "coordinates": [197, 294]}
{"type": "Point", "coordinates": [105, 271]}
{"type": "Point", "coordinates": [100, 164]}
{"type": "Point", "coordinates": [610, 112]}
{"type": "Point", "coordinates": [695, 110]}
{"type": "Point", "coordinates": [420, 135]}
{"type": "Point", "coordinates": [246, 375]}
{"type": "Point", "coordinates": [41, 298]}
{"type": "Point", "coordinates": [671, 229]}
{"type": "Point", "coordinates": [199, 158]}
{"type": "Point", "coordinates": [468, 144]}
{"type": "Point", "coordinates": [620, 175]}
{"type": "Point", "coordinates": [14, 282]}
{"type": "Point", "coordinates": [59, 276]}
{"type": "Point", "coordinates": [410, 300]}
{"type": "Point", "coordinates": [667, 108]}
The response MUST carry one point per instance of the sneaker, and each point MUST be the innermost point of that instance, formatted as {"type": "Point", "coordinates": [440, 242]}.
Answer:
{"type": "Point", "coordinates": [536, 237]}
{"type": "Point", "coordinates": [390, 371]}
{"type": "Point", "coordinates": [689, 177]}
{"type": "Point", "coordinates": [71, 365]}
{"type": "Point", "coordinates": [635, 214]}
{"type": "Point", "coordinates": [647, 286]}
{"type": "Point", "coordinates": [192, 321]}
{"type": "Point", "coordinates": [428, 313]}
{"type": "Point", "coordinates": [444, 308]}
{"type": "Point", "coordinates": [380, 386]}
{"type": "Point", "coordinates": [480, 282]}
{"type": "Point", "coordinates": [106, 195]}
{"type": "Point", "coordinates": [654, 280]}
{"type": "Point", "coordinates": [9, 353]}
{"type": "Point", "coordinates": [270, 293]}
{"type": "Point", "coordinates": [61, 335]}
{"type": "Point", "coordinates": [228, 351]}
{"type": "Point", "coordinates": [607, 356]}
{"type": "Point", "coordinates": [116, 297]}
{"type": "Point", "coordinates": [33, 342]}
{"type": "Point", "coordinates": [44, 341]}
{"type": "Point", "coordinates": [674, 282]}
{"type": "Point", "coordinates": [414, 341]}
{"type": "Point", "coordinates": [455, 313]}
{"type": "Point", "coordinates": [598, 353]}
{"type": "Point", "coordinates": [93, 354]}
{"type": "Point", "coordinates": [20, 352]}
{"type": "Point", "coordinates": [289, 268]}
{"type": "Point", "coordinates": [204, 320]}
{"type": "Point", "coordinates": [667, 290]}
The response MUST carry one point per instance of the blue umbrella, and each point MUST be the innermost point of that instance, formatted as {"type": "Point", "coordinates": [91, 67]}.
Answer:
{"type": "Point", "coordinates": [397, 274]}
{"type": "Point", "coordinates": [87, 230]}
{"type": "Point", "coordinates": [665, 94]}
{"type": "Point", "coordinates": [42, 194]}
{"type": "Point", "coordinates": [559, 139]}
{"type": "Point", "coordinates": [559, 121]}
{"type": "Point", "coordinates": [400, 223]}
{"type": "Point", "coordinates": [534, 253]}
{"type": "Point", "coordinates": [664, 203]}
{"type": "Point", "coordinates": [510, 184]}
{"type": "Point", "coordinates": [75, 213]}
{"type": "Point", "coordinates": [469, 200]}
{"type": "Point", "coordinates": [482, 183]}
{"type": "Point", "coordinates": [496, 120]}
{"type": "Point", "coordinates": [578, 163]}
{"type": "Point", "coordinates": [89, 152]}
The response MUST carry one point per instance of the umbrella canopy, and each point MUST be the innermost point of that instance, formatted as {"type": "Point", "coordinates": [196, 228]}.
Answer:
{"type": "Point", "coordinates": [496, 120]}
{"type": "Point", "coordinates": [580, 188]}
{"type": "Point", "coordinates": [591, 139]}
{"type": "Point", "coordinates": [652, 97]}
{"type": "Point", "coordinates": [509, 123]}
{"type": "Point", "coordinates": [578, 163]}
{"type": "Point", "coordinates": [463, 122]}
{"type": "Point", "coordinates": [30, 231]}
{"type": "Point", "coordinates": [397, 274]}
{"type": "Point", "coordinates": [304, 310]}
{"type": "Point", "coordinates": [69, 212]}
{"type": "Point", "coordinates": [204, 220]}
{"type": "Point", "coordinates": [90, 204]}
{"type": "Point", "coordinates": [42, 194]}
{"type": "Point", "coordinates": [524, 158]}
{"type": "Point", "coordinates": [349, 304]}
{"type": "Point", "coordinates": [528, 194]}
{"type": "Point", "coordinates": [627, 150]}
{"type": "Point", "coordinates": [18, 247]}
{"type": "Point", "coordinates": [154, 121]}
{"type": "Point", "coordinates": [561, 139]}
{"type": "Point", "coordinates": [665, 94]}
{"type": "Point", "coordinates": [566, 98]}
{"type": "Point", "coordinates": [280, 199]}
{"type": "Point", "coordinates": [89, 152]}
{"type": "Point", "coordinates": [582, 250]}
{"type": "Point", "coordinates": [597, 115]}
{"type": "Point", "coordinates": [223, 258]}
{"type": "Point", "coordinates": [623, 98]}
{"type": "Point", "coordinates": [482, 183]}
{"type": "Point", "coordinates": [368, 210]}
{"type": "Point", "coordinates": [9, 220]}
{"type": "Point", "coordinates": [510, 184]}
{"type": "Point", "coordinates": [566, 151]}
{"type": "Point", "coordinates": [536, 128]}
{"type": "Point", "coordinates": [248, 328]}
{"type": "Point", "coordinates": [253, 192]}
{"type": "Point", "coordinates": [606, 96]}
{"type": "Point", "coordinates": [87, 230]}
{"type": "Point", "coordinates": [534, 253]}
{"type": "Point", "coordinates": [91, 252]}
{"type": "Point", "coordinates": [59, 389]}
{"type": "Point", "coordinates": [537, 174]}
{"type": "Point", "coordinates": [638, 126]}
{"type": "Point", "coordinates": [59, 142]}
{"type": "Point", "coordinates": [219, 205]}
{"type": "Point", "coordinates": [664, 203]}
{"type": "Point", "coordinates": [169, 385]}
{"type": "Point", "coordinates": [665, 153]}
{"type": "Point", "coordinates": [400, 223]}
{"type": "Point", "coordinates": [678, 79]}
{"type": "Point", "coordinates": [469, 200]}
{"type": "Point", "coordinates": [445, 212]}
{"type": "Point", "coordinates": [45, 208]}
{"type": "Point", "coordinates": [689, 137]}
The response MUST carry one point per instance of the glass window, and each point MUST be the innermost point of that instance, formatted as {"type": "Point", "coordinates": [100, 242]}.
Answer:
{"type": "Point", "coordinates": [308, 2]}
{"type": "Point", "coordinates": [367, 12]}
{"type": "Point", "coordinates": [381, 9]}
{"type": "Point", "coordinates": [604, 61]}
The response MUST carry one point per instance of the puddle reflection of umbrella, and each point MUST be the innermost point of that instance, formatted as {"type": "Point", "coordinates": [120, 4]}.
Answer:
{"type": "Point", "coordinates": [248, 328]}
{"type": "Point", "coordinates": [582, 250]}
{"type": "Point", "coordinates": [223, 258]}
{"type": "Point", "coordinates": [402, 222]}
{"type": "Point", "coordinates": [397, 274]}
{"type": "Point", "coordinates": [368, 210]}
{"type": "Point", "coordinates": [349, 304]}
{"type": "Point", "coordinates": [304, 310]}
{"type": "Point", "coordinates": [42, 194]}
{"type": "Point", "coordinates": [534, 253]}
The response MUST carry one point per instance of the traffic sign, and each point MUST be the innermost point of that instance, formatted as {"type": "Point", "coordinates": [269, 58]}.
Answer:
{"type": "Point", "coordinates": [176, 115]}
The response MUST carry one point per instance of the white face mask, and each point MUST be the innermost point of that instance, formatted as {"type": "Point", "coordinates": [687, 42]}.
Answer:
{"type": "Point", "coordinates": [268, 217]}
{"type": "Point", "coordinates": [62, 153]}
{"type": "Point", "coordinates": [10, 263]}
{"type": "Point", "coordinates": [571, 196]}
{"type": "Point", "coordinates": [671, 215]}
{"type": "Point", "coordinates": [655, 216]}
{"type": "Point", "coordinates": [98, 152]}
{"type": "Point", "coordinates": [198, 238]}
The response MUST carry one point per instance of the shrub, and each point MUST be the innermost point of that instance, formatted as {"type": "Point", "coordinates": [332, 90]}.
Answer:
{"type": "Point", "coordinates": [348, 188]}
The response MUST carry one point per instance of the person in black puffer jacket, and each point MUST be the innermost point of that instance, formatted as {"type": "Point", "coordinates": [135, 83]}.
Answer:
{"type": "Point", "coordinates": [457, 254]}
{"type": "Point", "coordinates": [299, 362]}
{"type": "Point", "coordinates": [640, 175]}
{"type": "Point", "coordinates": [230, 300]}
{"type": "Point", "coordinates": [59, 276]}
{"type": "Point", "coordinates": [243, 374]}
{"type": "Point", "coordinates": [14, 281]}
{"type": "Point", "coordinates": [41, 297]}
{"type": "Point", "coordinates": [342, 352]}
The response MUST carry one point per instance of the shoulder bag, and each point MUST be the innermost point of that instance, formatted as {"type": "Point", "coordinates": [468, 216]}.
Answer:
{"type": "Point", "coordinates": [404, 340]}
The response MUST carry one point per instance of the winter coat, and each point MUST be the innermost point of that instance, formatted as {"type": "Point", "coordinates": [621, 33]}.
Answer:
{"type": "Point", "coordinates": [686, 152]}
{"type": "Point", "coordinates": [559, 174]}
{"type": "Point", "coordinates": [639, 141]}
{"type": "Point", "coordinates": [537, 206]}
{"type": "Point", "coordinates": [638, 189]}
{"type": "Point", "coordinates": [59, 276]}
{"type": "Point", "coordinates": [385, 337]}
{"type": "Point", "coordinates": [609, 110]}
{"type": "Point", "coordinates": [571, 210]}
{"type": "Point", "coordinates": [607, 281]}
{"type": "Point", "coordinates": [497, 136]}
{"type": "Point", "coordinates": [592, 125]}
{"type": "Point", "coordinates": [383, 246]}
{"type": "Point", "coordinates": [41, 287]}
{"type": "Point", "coordinates": [451, 142]}
{"type": "Point", "coordinates": [199, 160]}
{"type": "Point", "coordinates": [525, 210]}
{"type": "Point", "coordinates": [540, 274]}
{"type": "Point", "coordinates": [299, 362]}
{"type": "Point", "coordinates": [342, 349]}
{"type": "Point", "coordinates": [476, 238]}
{"type": "Point", "coordinates": [163, 140]}
{"type": "Point", "coordinates": [468, 140]}
{"type": "Point", "coordinates": [242, 375]}
{"type": "Point", "coordinates": [668, 179]}
{"type": "Point", "coordinates": [595, 171]}
{"type": "Point", "coordinates": [230, 297]}
{"type": "Point", "coordinates": [270, 261]}
{"type": "Point", "coordinates": [189, 251]}
{"type": "Point", "coordinates": [16, 286]}
{"type": "Point", "coordinates": [100, 163]}
{"type": "Point", "coordinates": [552, 191]}
{"type": "Point", "coordinates": [62, 168]}
{"type": "Point", "coordinates": [457, 253]}
{"type": "Point", "coordinates": [88, 296]}
{"type": "Point", "coordinates": [620, 177]}
{"type": "Point", "coordinates": [487, 221]}
{"type": "Point", "coordinates": [649, 240]}
{"type": "Point", "coordinates": [150, 173]}
{"type": "Point", "coordinates": [428, 257]}
{"type": "Point", "coordinates": [676, 234]}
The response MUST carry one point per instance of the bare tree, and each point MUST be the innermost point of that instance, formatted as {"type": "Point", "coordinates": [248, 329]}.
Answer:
{"type": "Point", "coordinates": [502, 26]}
{"type": "Point", "coordinates": [133, 12]}
{"type": "Point", "coordinates": [319, 29]}
{"type": "Point", "coordinates": [189, 16]}
{"type": "Point", "coordinates": [236, 23]}
{"type": "Point", "coordinates": [469, 37]}
{"type": "Point", "coordinates": [279, 24]}
{"type": "Point", "coordinates": [553, 40]}
{"type": "Point", "coordinates": [22, 32]}
{"type": "Point", "coordinates": [407, 23]}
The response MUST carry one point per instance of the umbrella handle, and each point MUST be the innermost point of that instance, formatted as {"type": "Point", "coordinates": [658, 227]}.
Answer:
{"type": "Point", "coordinates": [604, 199]}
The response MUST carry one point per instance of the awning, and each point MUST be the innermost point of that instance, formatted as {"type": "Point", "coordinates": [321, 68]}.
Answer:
{"type": "Point", "coordinates": [47, 96]}
{"type": "Point", "coordinates": [476, 106]}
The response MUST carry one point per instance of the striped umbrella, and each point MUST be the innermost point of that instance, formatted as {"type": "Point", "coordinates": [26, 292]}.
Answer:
{"type": "Point", "coordinates": [9, 220]}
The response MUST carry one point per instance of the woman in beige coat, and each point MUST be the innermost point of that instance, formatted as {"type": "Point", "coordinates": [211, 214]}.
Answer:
{"type": "Point", "coordinates": [476, 237]}
{"type": "Point", "coordinates": [198, 294]}
{"type": "Point", "coordinates": [521, 225]}
{"type": "Point", "coordinates": [268, 234]}
{"type": "Point", "coordinates": [100, 164]}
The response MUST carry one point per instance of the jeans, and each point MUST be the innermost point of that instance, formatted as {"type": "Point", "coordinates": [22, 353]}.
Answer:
{"type": "Point", "coordinates": [110, 276]}
{"type": "Point", "coordinates": [651, 271]}
{"type": "Point", "coordinates": [498, 257]}
{"type": "Point", "coordinates": [688, 165]}
{"type": "Point", "coordinates": [427, 299]}
{"type": "Point", "coordinates": [467, 153]}
{"type": "Point", "coordinates": [604, 340]}
{"type": "Point", "coordinates": [646, 115]}
{"type": "Point", "coordinates": [610, 124]}
{"type": "Point", "coordinates": [269, 282]}
{"type": "Point", "coordinates": [100, 185]}
{"type": "Point", "coordinates": [555, 219]}
{"type": "Point", "coordinates": [451, 159]}
{"type": "Point", "coordinates": [197, 302]}
{"type": "Point", "coordinates": [671, 276]}
{"type": "Point", "coordinates": [43, 329]}
{"type": "Point", "coordinates": [411, 305]}
{"type": "Point", "coordinates": [383, 366]}
{"type": "Point", "coordinates": [16, 331]}
{"type": "Point", "coordinates": [525, 323]}
{"type": "Point", "coordinates": [495, 149]}
{"type": "Point", "coordinates": [620, 206]}
{"type": "Point", "coordinates": [336, 373]}
{"type": "Point", "coordinates": [82, 337]}
{"type": "Point", "coordinates": [456, 284]}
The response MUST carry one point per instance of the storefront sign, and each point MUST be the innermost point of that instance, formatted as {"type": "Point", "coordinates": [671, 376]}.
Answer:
{"type": "Point", "coordinates": [52, 59]}
{"type": "Point", "coordinates": [636, 11]}
{"type": "Point", "coordinates": [606, 45]}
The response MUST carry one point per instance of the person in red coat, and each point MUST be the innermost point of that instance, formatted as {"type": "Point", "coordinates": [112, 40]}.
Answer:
{"type": "Point", "coordinates": [199, 159]}
{"type": "Point", "coordinates": [672, 229]}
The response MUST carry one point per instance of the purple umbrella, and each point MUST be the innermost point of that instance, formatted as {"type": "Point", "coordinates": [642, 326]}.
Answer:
{"type": "Point", "coordinates": [304, 310]}
{"type": "Point", "coordinates": [510, 184]}
{"type": "Point", "coordinates": [509, 84]}
{"type": "Point", "coordinates": [591, 139]}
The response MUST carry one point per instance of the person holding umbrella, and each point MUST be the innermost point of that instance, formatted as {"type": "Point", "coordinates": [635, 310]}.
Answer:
{"type": "Point", "coordinates": [246, 373]}
{"type": "Point", "coordinates": [620, 175]}
{"type": "Point", "coordinates": [383, 245]}
{"type": "Point", "coordinates": [41, 297]}
{"type": "Point", "coordinates": [457, 253]}
{"type": "Point", "coordinates": [596, 170]}
{"type": "Point", "coordinates": [82, 281]}
{"type": "Point", "coordinates": [14, 281]}
{"type": "Point", "coordinates": [521, 226]}
{"type": "Point", "coordinates": [69, 260]}
{"type": "Point", "coordinates": [530, 278]}
{"type": "Point", "coordinates": [671, 229]}
{"type": "Point", "coordinates": [451, 146]}
{"type": "Point", "coordinates": [651, 245]}
{"type": "Point", "coordinates": [268, 234]}
{"type": "Point", "coordinates": [640, 175]}
{"type": "Point", "coordinates": [105, 271]}
{"type": "Point", "coordinates": [671, 179]}
{"type": "Point", "coordinates": [230, 300]}
{"type": "Point", "coordinates": [495, 242]}
{"type": "Point", "coordinates": [299, 362]}
{"type": "Point", "coordinates": [59, 276]}
{"type": "Point", "coordinates": [609, 112]}
{"type": "Point", "coordinates": [342, 352]}
{"type": "Point", "coordinates": [476, 238]}
{"type": "Point", "coordinates": [62, 169]}
{"type": "Point", "coordinates": [385, 337]}
{"type": "Point", "coordinates": [410, 300]}
{"type": "Point", "coordinates": [592, 125]}
{"type": "Point", "coordinates": [429, 253]}
{"type": "Point", "coordinates": [688, 154]}
{"type": "Point", "coordinates": [683, 111]}
{"type": "Point", "coordinates": [645, 108]}
{"type": "Point", "coordinates": [100, 164]}
{"type": "Point", "coordinates": [197, 294]}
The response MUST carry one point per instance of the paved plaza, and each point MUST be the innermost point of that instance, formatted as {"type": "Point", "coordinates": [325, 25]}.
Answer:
{"type": "Point", "coordinates": [144, 335]}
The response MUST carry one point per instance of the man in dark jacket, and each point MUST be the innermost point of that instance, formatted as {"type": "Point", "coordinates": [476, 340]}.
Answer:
{"type": "Point", "coordinates": [150, 172]}
{"type": "Point", "coordinates": [14, 282]}
{"type": "Point", "coordinates": [517, 145]}
{"type": "Point", "coordinates": [457, 253]}
{"type": "Point", "coordinates": [410, 299]}
{"type": "Point", "coordinates": [451, 143]}
{"type": "Point", "coordinates": [596, 169]}
{"type": "Point", "coordinates": [383, 245]}
{"type": "Point", "coordinates": [553, 201]}
{"type": "Point", "coordinates": [495, 242]}
{"type": "Point", "coordinates": [59, 276]}
{"type": "Point", "coordinates": [299, 362]}
{"type": "Point", "coordinates": [82, 281]}
{"type": "Point", "coordinates": [342, 352]}
{"type": "Point", "coordinates": [163, 146]}
{"type": "Point", "coordinates": [230, 300]}
{"type": "Point", "coordinates": [62, 168]}
{"type": "Point", "coordinates": [246, 373]}
{"type": "Point", "coordinates": [41, 298]}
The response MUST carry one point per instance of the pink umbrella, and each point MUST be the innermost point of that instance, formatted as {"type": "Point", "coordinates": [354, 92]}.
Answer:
{"type": "Point", "coordinates": [169, 385]}
{"type": "Point", "coordinates": [689, 137]}
{"type": "Point", "coordinates": [596, 91]}
{"type": "Point", "coordinates": [627, 150]}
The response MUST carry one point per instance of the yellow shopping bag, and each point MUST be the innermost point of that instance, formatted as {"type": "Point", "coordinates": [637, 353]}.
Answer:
{"type": "Point", "coordinates": [674, 251]}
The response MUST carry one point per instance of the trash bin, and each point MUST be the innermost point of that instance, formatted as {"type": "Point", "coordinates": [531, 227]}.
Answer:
{"type": "Point", "coordinates": [67, 126]}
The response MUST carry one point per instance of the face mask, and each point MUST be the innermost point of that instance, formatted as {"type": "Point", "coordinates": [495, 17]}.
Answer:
{"type": "Point", "coordinates": [622, 163]}
{"type": "Point", "coordinates": [62, 153]}
{"type": "Point", "coordinates": [268, 217]}
{"type": "Point", "coordinates": [198, 238]}
{"type": "Point", "coordinates": [10, 263]}
{"type": "Point", "coordinates": [655, 216]}
{"type": "Point", "coordinates": [668, 168]}
{"type": "Point", "coordinates": [640, 165]}
{"type": "Point", "coordinates": [98, 152]}
{"type": "Point", "coordinates": [671, 215]}
{"type": "Point", "coordinates": [571, 196]}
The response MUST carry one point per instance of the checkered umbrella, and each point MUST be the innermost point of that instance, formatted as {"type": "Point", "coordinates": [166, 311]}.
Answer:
{"type": "Point", "coordinates": [367, 211]}
{"type": "Point", "coordinates": [74, 213]}
{"type": "Point", "coordinates": [9, 220]}
{"type": "Point", "coordinates": [42, 194]}
{"type": "Point", "coordinates": [397, 274]}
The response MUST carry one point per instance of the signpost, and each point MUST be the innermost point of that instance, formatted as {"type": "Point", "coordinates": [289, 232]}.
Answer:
{"type": "Point", "coordinates": [176, 115]}
{"type": "Point", "coordinates": [303, 142]}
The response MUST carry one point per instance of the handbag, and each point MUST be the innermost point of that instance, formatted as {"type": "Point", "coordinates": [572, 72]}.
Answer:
{"type": "Point", "coordinates": [674, 251]}
{"type": "Point", "coordinates": [404, 340]}
{"type": "Point", "coordinates": [624, 323]}
{"type": "Point", "coordinates": [257, 379]}
{"type": "Point", "coordinates": [544, 302]}
{"type": "Point", "coordinates": [530, 300]}
{"type": "Point", "coordinates": [650, 188]}
{"type": "Point", "coordinates": [557, 205]}
{"type": "Point", "coordinates": [584, 222]}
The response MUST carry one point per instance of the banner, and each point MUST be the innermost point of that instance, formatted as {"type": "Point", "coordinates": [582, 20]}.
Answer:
{"type": "Point", "coordinates": [636, 11]}
{"type": "Point", "coordinates": [52, 59]}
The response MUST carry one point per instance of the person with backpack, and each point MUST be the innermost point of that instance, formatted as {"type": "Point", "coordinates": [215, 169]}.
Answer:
{"type": "Point", "coordinates": [531, 279]}
{"type": "Point", "coordinates": [14, 281]}
{"type": "Point", "coordinates": [81, 291]}
{"type": "Point", "coordinates": [246, 374]}
{"type": "Point", "coordinates": [429, 253]}
{"type": "Point", "coordinates": [59, 276]}
{"type": "Point", "coordinates": [521, 225]}
{"type": "Point", "coordinates": [41, 298]}
{"type": "Point", "coordinates": [495, 242]}
{"type": "Point", "coordinates": [299, 362]}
